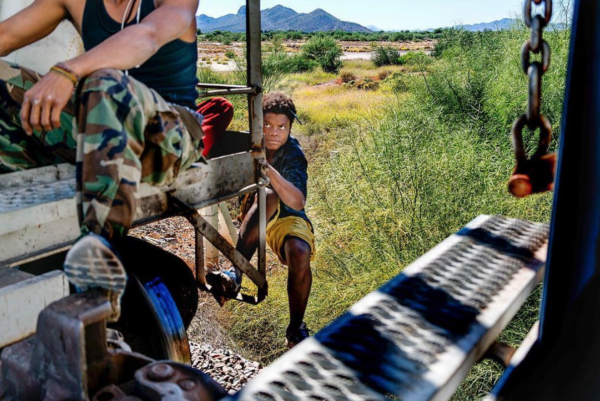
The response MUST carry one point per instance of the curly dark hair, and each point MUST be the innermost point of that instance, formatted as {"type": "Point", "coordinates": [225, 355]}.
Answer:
{"type": "Point", "coordinates": [280, 103]}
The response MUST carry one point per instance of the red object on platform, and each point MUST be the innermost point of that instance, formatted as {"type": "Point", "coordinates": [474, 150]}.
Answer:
{"type": "Point", "coordinates": [218, 113]}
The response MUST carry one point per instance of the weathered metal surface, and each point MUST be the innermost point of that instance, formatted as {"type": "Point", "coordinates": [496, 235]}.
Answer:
{"type": "Point", "coordinates": [211, 214]}
{"type": "Point", "coordinates": [262, 231]}
{"type": "Point", "coordinates": [68, 357]}
{"type": "Point", "coordinates": [41, 175]}
{"type": "Point", "coordinates": [168, 381]}
{"type": "Point", "coordinates": [417, 337]}
{"type": "Point", "coordinates": [212, 234]}
{"type": "Point", "coordinates": [208, 85]}
{"type": "Point", "coordinates": [225, 221]}
{"type": "Point", "coordinates": [228, 92]}
{"type": "Point", "coordinates": [22, 297]}
{"type": "Point", "coordinates": [254, 63]}
{"type": "Point", "coordinates": [38, 213]}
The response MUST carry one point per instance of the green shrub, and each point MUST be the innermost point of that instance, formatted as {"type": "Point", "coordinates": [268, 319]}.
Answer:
{"type": "Point", "coordinates": [398, 82]}
{"type": "Point", "coordinates": [385, 55]}
{"type": "Point", "coordinates": [298, 63]}
{"type": "Point", "coordinates": [331, 61]}
{"type": "Point", "coordinates": [415, 59]}
{"type": "Point", "coordinates": [230, 54]}
{"type": "Point", "coordinates": [325, 51]}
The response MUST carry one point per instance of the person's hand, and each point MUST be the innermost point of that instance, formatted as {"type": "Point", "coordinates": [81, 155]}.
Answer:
{"type": "Point", "coordinates": [264, 166]}
{"type": "Point", "coordinates": [44, 102]}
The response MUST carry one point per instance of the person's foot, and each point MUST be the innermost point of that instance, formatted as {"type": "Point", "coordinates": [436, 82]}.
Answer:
{"type": "Point", "coordinates": [294, 336]}
{"type": "Point", "coordinates": [225, 281]}
{"type": "Point", "coordinates": [92, 262]}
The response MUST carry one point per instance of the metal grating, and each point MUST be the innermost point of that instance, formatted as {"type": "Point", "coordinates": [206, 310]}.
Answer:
{"type": "Point", "coordinates": [21, 198]}
{"type": "Point", "coordinates": [409, 339]}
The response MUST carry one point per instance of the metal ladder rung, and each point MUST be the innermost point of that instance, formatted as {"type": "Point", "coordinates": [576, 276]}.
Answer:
{"type": "Point", "coordinates": [222, 90]}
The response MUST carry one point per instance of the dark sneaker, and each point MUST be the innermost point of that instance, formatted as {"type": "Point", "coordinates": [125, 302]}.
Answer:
{"type": "Point", "coordinates": [225, 281]}
{"type": "Point", "coordinates": [293, 337]}
{"type": "Point", "coordinates": [93, 263]}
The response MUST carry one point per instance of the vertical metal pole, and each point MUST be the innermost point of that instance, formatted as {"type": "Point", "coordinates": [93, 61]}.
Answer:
{"type": "Point", "coordinates": [574, 252]}
{"type": "Point", "coordinates": [226, 222]}
{"type": "Point", "coordinates": [254, 62]}
{"type": "Point", "coordinates": [212, 254]}
{"type": "Point", "coordinates": [200, 272]}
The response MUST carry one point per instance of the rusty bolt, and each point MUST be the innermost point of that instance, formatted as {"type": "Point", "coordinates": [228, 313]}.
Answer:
{"type": "Point", "coordinates": [187, 384]}
{"type": "Point", "coordinates": [160, 372]}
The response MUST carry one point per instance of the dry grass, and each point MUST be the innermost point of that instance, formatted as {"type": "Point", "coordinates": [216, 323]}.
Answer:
{"type": "Point", "coordinates": [366, 68]}
{"type": "Point", "coordinates": [329, 107]}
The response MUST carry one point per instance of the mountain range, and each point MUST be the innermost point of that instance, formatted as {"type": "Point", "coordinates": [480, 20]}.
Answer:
{"type": "Point", "coordinates": [498, 25]}
{"type": "Point", "coordinates": [279, 18]}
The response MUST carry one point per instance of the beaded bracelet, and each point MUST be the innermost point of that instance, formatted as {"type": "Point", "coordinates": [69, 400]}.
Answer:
{"type": "Point", "coordinates": [65, 71]}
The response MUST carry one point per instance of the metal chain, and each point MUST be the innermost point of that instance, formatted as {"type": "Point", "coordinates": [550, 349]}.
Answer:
{"type": "Point", "coordinates": [533, 119]}
{"type": "Point", "coordinates": [536, 70]}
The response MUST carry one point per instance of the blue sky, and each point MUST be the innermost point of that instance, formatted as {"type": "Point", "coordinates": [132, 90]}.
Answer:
{"type": "Point", "coordinates": [388, 14]}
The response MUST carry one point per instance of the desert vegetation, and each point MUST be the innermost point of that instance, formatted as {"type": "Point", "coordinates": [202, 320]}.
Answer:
{"type": "Point", "coordinates": [403, 151]}
{"type": "Point", "coordinates": [403, 36]}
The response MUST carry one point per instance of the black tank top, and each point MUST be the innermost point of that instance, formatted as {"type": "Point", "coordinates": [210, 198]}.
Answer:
{"type": "Point", "coordinates": [171, 71]}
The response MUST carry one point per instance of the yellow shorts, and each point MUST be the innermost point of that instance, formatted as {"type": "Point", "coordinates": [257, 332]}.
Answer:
{"type": "Point", "coordinates": [292, 226]}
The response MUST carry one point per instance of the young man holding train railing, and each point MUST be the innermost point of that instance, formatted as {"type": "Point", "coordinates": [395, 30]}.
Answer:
{"type": "Point", "coordinates": [289, 231]}
{"type": "Point", "coordinates": [126, 100]}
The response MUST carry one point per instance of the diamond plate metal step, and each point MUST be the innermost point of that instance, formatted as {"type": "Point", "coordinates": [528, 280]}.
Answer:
{"type": "Point", "coordinates": [417, 337]}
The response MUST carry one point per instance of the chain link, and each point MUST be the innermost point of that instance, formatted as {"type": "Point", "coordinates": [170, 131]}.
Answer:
{"type": "Point", "coordinates": [535, 70]}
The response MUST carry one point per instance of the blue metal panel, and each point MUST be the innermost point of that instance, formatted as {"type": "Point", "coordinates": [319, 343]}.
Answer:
{"type": "Point", "coordinates": [575, 230]}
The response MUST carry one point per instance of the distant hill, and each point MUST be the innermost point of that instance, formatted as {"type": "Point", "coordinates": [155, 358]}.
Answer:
{"type": "Point", "coordinates": [280, 18]}
{"type": "Point", "coordinates": [374, 28]}
{"type": "Point", "coordinates": [498, 25]}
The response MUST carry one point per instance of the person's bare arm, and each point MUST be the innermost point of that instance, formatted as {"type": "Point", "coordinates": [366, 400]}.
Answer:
{"type": "Point", "coordinates": [30, 25]}
{"type": "Point", "coordinates": [137, 43]}
{"type": "Point", "coordinates": [132, 46]}
{"type": "Point", "coordinates": [288, 193]}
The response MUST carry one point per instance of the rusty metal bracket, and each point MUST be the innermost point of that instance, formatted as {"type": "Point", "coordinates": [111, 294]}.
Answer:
{"type": "Point", "coordinates": [166, 381]}
{"type": "Point", "coordinates": [68, 358]}
{"type": "Point", "coordinates": [205, 229]}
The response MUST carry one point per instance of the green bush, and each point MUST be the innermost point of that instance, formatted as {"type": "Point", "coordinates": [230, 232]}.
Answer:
{"type": "Point", "coordinates": [398, 82]}
{"type": "Point", "coordinates": [297, 63]}
{"type": "Point", "coordinates": [415, 59]}
{"type": "Point", "coordinates": [325, 51]}
{"type": "Point", "coordinates": [385, 55]}
{"type": "Point", "coordinates": [230, 54]}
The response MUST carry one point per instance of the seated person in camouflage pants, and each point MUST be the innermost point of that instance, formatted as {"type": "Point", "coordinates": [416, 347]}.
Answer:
{"type": "Point", "coordinates": [123, 99]}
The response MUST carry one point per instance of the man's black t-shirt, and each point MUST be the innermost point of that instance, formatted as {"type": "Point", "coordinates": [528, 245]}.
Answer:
{"type": "Point", "coordinates": [291, 163]}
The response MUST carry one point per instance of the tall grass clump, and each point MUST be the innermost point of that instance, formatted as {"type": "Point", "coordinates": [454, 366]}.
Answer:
{"type": "Point", "coordinates": [325, 51]}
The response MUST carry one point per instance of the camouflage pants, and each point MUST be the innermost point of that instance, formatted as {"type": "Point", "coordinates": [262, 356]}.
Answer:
{"type": "Point", "coordinates": [129, 133]}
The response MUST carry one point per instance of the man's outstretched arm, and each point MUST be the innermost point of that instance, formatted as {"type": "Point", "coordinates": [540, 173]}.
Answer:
{"type": "Point", "coordinates": [30, 25]}
{"type": "Point", "coordinates": [132, 46]}
{"type": "Point", "coordinates": [137, 43]}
